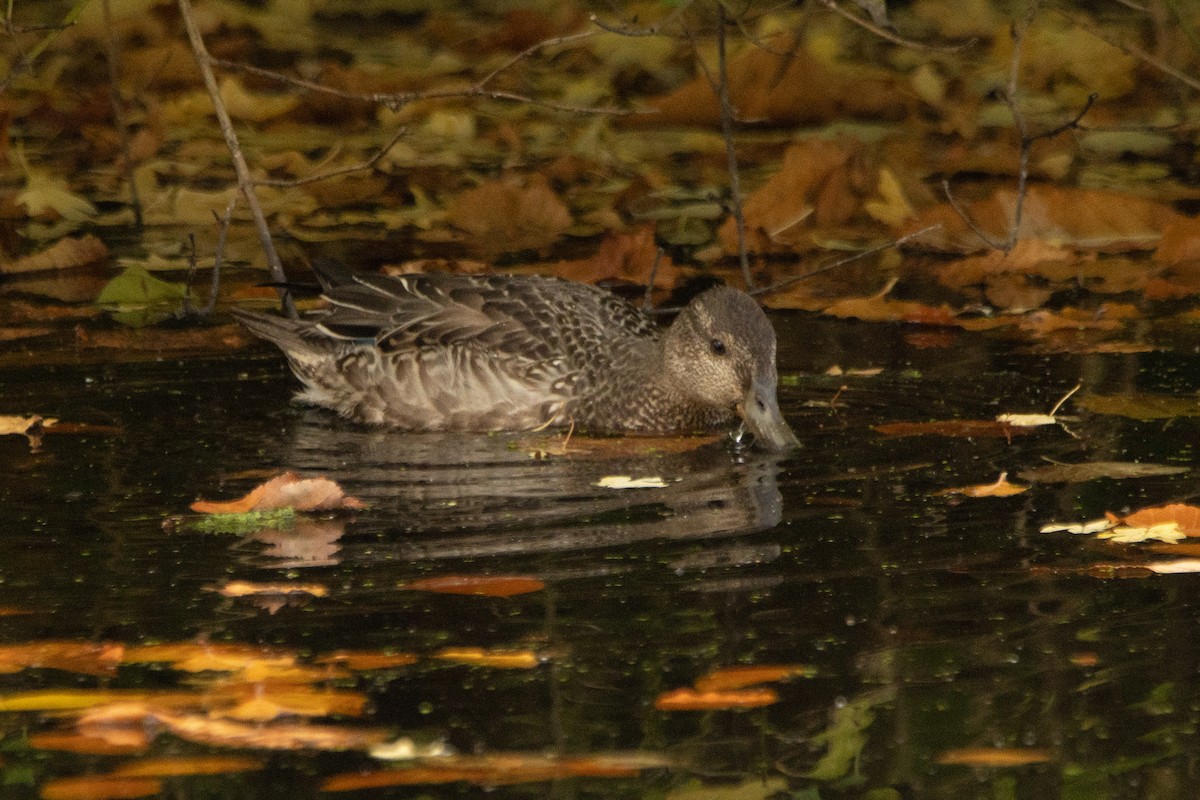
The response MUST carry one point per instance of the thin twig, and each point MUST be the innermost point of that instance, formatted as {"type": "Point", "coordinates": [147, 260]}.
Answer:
{"type": "Point", "coordinates": [891, 36]}
{"type": "Point", "coordinates": [637, 30]}
{"type": "Point", "coordinates": [219, 253]}
{"type": "Point", "coordinates": [333, 173]}
{"type": "Point", "coordinates": [735, 182]}
{"type": "Point", "coordinates": [1133, 50]}
{"type": "Point", "coordinates": [244, 179]}
{"type": "Point", "coordinates": [841, 262]}
{"type": "Point", "coordinates": [112, 53]}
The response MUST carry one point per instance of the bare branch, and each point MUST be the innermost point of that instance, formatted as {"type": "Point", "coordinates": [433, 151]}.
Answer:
{"type": "Point", "coordinates": [112, 53]}
{"type": "Point", "coordinates": [892, 36]}
{"type": "Point", "coordinates": [735, 183]}
{"type": "Point", "coordinates": [841, 262]}
{"type": "Point", "coordinates": [333, 173]}
{"type": "Point", "coordinates": [1133, 50]}
{"type": "Point", "coordinates": [636, 30]}
{"type": "Point", "coordinates": [244, 179]}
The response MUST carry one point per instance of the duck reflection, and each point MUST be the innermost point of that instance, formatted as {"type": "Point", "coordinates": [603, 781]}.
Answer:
{"type": "Point", "coordinates": [449, 496]}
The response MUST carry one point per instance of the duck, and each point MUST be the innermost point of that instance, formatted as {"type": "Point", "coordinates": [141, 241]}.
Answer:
{"type": "Point", "coordinates": [509, 352]}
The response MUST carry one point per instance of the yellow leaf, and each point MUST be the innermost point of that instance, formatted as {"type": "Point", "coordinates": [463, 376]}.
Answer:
{"type": "Point", "coordinates": [44, 192]}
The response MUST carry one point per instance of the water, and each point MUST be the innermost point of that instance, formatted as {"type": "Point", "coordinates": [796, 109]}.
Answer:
{"type": "Point", "coordinates": [926, 623]}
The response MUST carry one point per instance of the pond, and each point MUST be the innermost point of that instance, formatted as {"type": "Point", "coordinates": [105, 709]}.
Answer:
{"type": "Point", "coordinates": [912, 643]}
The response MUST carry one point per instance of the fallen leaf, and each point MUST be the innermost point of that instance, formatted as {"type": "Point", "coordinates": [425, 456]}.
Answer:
{"type": "Point", "coordinates": [204, 729]}
{"type": "Point", "coordinates": [1141, 405]}
{"type": "Point", "coordinates": [629, 482]}
{"type": "Point", "coordinates": [1180, 567]}
{"type": "Point", "coordinates": [175, 766]}
{"type": "Point", "coordinates": [89, 658]}
{"type": "Point", "coordinates": [1186, 517]}
{"type": "Point", "coordinates": [86, 744]}
{"type": "Point", "coordinates": [631, 256]}
{"type": "Point", "coordinates": [1095, 526]}
{"type": "Point", "coordinates": [504, 217]}
{"type": "Point", "coordinates": [478, 657]}
{"type": "Point", "coordinates": [45, 194]}
{"type": "Point", "coordinates": [1091, 470]}
{"type": "Point", "coordinates": [697, 700]}
{"type": "Point", "coordinates": [63, 254]}
{"type": "Point", "coordinates": [367, 661]}
{"type": "Point", "coordinates": [288, 490]}
{"type": "Point", "coordinates": [739, 677]}
{"type": "Point", "coordinates": [248, 588]}
{"type": "Point", "coordinates": [99, 787]}
{"type": "Point", "coordinates": [1001, 488]}
{"type": "Point", "coordinates": [994, 756]}
{"type": "Point", "coordinates": [1128, 534]}
{"type": "Point", "coordinates": [481, 585]}
{"type": "Point", "coordinates": [24, 426]}
{"type": "Point", "coordinates": [1027, 420]}
{"type": "Point", "coordinates": [964, 428]}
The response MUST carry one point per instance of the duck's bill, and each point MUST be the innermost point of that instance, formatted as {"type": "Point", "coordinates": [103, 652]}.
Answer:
{"type": "Point", "coordinates": [760, 412]}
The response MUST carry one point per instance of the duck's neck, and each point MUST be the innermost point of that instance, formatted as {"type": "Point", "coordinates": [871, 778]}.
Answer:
{"type": "Point", "coordinates": [641, 397]}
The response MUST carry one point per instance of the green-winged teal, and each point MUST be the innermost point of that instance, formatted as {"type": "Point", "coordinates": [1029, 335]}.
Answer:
{"type": "Point", "coordinates": [436, 352]}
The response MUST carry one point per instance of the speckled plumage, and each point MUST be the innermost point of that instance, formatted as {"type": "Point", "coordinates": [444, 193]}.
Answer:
{"type": "Point", "coordinates": [516, 352]}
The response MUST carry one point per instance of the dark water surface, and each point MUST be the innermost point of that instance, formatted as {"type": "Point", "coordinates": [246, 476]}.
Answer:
{"type": "Point", "coordinates": [928, 623]}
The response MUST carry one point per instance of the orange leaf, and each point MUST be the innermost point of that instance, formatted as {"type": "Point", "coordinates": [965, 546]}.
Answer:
{"type": "Point", "coordinates": [245, 588]}
{"type": "Point", "coordinates": [99, 787]}
{"type": "Point", "coordinates": [173, 766]}
{"type": "Point", "coordinates": [739, 677]}
{"type": "Point", "coordinates": [90, 745]}
{"type": "Point", "coordinates": [288, 490]}
{"type": "Point", "coordinates": [693, 700]}
{"type": "Point", "coordinates": [1185, 516]}
{"type": "Point", "coordinates": [290, 736]}
{"type": "Point", "coordinates": [484, 585]}
{"type": "Point", "coordinates": [90, 658]}
{"type": "Point", "coordinates": [498, 769]}
{"type": "Point", "coordinates": [367, 660]}
{"type": "Point", "coordinates": [508, 218]}
{"type": "Point", "coordinates": [625, 256]}
{"type": "Point", "coordinates": [478, 657]}
{"type": "Point", "coordinates": [994, 756]}
{"type": "Point", "coordinates": [1001, 488]}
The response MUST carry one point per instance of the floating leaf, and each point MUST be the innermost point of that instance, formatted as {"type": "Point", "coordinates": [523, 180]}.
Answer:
{"type": "Point", "coordinates": [87, 744]}
{"type": "Point", "coordinates": [136, 288]}
{"type": "Point", "coordinates": [478, 657]}
{"type": "Point", "coordinates": [1095, 526]}
{"type": "Point", "coordinates": [288, 490]}
{"type": "Point", "coordinates": [1182, 566]}
{"type": "Point", "coordinates": [1141, 406]}
{"type": "Point", "coordinates": [1090, 470]}
{"type": "Point", "coordinates": [482, 585]}
{"type": "Point", "coordinates": [99, 787]}
{"type": "Point", "coordinates": [90, 658]}
{"type": "Point", "coordinates": [1185, 517]}
{"type": "Point", "coordinates": [1000, 488]}
{"type": "Point", "coordinates": [366, 661]}
{"type": "Point", "coordinates": [994, 756]}
{"type": "Point", "coordinates": [249, 588]}
{"type": "Point", "coordinates": [174, 766]}
{"type": "Point", "coordinates": [964, 428]}
{"type": "Point", "coordinates": [696, 700]}
{"type": "Point", "coordinates": [629, 482]}
{"type": "Point", "coordinates": [1126, 534]}
{"type": "Point", "coordinates": [738, 677]}
{"type": "Point", "coordinates": [63, 254]}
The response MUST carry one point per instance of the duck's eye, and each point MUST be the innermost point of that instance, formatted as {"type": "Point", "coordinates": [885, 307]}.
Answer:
{"type": "Point", "coordinates": [718, 347]}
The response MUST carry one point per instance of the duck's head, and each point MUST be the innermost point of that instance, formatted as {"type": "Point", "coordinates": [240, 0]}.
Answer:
{"type": "Point", "coordinates": [720, 352]}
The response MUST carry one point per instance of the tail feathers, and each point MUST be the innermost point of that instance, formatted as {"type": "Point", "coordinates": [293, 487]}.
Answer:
{"type": "Point", "coordinates": [288, 334]}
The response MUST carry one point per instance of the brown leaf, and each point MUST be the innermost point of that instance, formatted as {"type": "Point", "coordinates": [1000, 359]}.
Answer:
{"type": "Point", "coordinates": [1001, 488]}
{"type": "Point", "coordinates": [819, 184]}
{"type": "Point", "coordinates": [498, 769]}
{"type": "Point", "coordinates": [277, 736]}
{"type": "Point", "coordinates": [248, 588]}
{"type": "Point", "coordinates": [288, 490]}
{"type": "Point", "coordinates": [63, 254]}
{"type": "Point", "coordinates": [505, 218]}
{"type": "Point", "coordinates": [781, 82]}
{"type": "Point", "coordinates": [174, 766]}
{"type": "Point", "coordinates": [965, 428]}
{"type": "Point", "coordinates": [1088, 219]}
{"type": "Point", "coordinates": [623, 256]}
{"type": "Point", "coordinates": [482, 585]}
{"type": "Point", "coordinates": [99, 787]}
{"type": "Point", "coordinates": [133, 743]}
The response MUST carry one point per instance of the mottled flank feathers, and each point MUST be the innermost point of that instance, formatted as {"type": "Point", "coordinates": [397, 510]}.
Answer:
{"type": "Point", "coordinates": [438, 351]}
